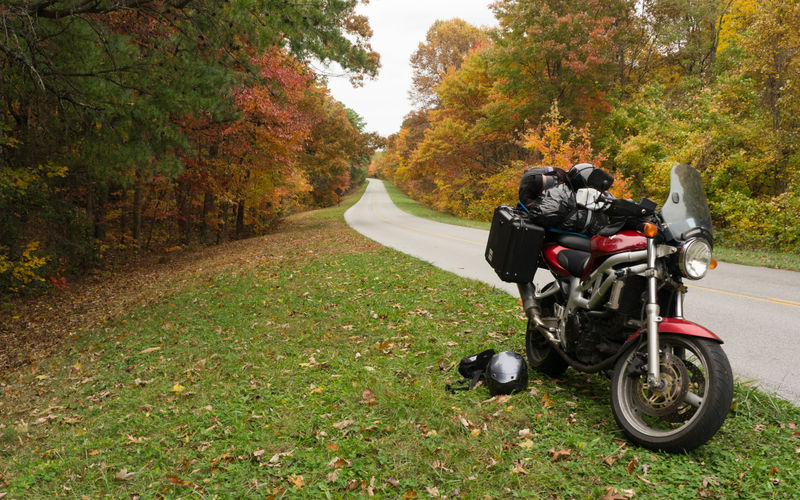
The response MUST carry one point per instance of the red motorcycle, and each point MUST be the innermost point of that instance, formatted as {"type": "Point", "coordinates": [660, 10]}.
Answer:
{"type": "Point", "coordinates": [617, 302]}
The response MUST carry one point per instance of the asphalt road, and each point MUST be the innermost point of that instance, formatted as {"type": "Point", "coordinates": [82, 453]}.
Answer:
{"type": "Point", "coordinates": [756, 311]}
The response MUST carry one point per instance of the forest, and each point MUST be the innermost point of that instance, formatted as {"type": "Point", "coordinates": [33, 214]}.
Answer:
{"type": "Point", "coordinates": [158, 124]}
{"type": "Point", "coordinates": [631, 86]}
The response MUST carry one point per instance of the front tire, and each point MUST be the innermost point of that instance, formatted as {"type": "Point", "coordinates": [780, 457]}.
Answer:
{"type": "Point", "coordinates": [691, 407]}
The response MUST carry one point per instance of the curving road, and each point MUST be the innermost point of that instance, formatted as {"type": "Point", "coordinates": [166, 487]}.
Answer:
{"type": "Point", "coordinates": [755, 310]}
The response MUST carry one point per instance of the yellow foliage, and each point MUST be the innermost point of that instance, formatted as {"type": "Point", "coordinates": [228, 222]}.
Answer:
{"type": "Point", "coordinates": [25, 272]}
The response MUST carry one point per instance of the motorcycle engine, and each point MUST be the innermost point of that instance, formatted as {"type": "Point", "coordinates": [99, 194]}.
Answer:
{"type": "Point", "coordinates": [593, 336]}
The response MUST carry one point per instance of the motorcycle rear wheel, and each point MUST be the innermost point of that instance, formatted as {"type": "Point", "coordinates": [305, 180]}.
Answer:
{"type": "Point", "coordinates": [541, 355]}
{"type": "Point", "coordinates": [691, 407]}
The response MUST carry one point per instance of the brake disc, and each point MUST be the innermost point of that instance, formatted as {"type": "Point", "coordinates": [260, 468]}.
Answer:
{"type": "Point", "coordinates": [666, 401]}
{"type": "Point", "coordinates": [696, 383]}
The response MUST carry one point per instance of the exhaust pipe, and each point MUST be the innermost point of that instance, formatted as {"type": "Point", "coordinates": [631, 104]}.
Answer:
{"type": "Point", "coordinates": [527, 291]}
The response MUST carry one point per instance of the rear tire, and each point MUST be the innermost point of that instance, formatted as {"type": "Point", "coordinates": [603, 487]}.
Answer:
{"type": "Point", "coordinates": [541, 355]}
{"type": "Point", "coordinates": [693, 405]}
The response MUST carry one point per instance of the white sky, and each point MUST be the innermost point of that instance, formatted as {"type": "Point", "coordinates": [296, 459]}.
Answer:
{"type": "Point", "coordinates": [399, 26]}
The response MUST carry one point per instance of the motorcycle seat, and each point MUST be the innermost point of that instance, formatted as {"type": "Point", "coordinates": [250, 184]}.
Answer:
{"type": "Point", "coordinates": [573, 261]}
{"type": "Point", "coordinates": [570, 240]}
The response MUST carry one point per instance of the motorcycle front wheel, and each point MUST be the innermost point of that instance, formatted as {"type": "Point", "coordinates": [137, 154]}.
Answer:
{"type": "Point", "coordinates": [691, 406]}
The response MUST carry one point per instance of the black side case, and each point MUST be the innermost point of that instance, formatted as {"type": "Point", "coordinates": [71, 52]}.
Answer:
{"type": "Point", "coordinates": [513, 246]}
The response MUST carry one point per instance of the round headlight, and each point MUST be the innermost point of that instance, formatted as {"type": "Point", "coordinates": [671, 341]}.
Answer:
{"type": "Point", "coordinates": [695, 258]}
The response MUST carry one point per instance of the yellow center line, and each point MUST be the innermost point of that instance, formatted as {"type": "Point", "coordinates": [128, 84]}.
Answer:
{"type": "Point", "coordinates": [780, 302]}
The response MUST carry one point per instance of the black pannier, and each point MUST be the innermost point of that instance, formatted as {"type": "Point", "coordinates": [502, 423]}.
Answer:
{"type": "Point", "coordinates": [513, 246]}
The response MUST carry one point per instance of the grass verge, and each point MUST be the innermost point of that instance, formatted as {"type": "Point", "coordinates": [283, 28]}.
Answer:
{"type": "Point", "coordinates": [315, 367]}
{"type": "Point", "coordinates": [747, 257]}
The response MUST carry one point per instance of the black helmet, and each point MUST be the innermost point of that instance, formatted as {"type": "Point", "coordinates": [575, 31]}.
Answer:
{"type": "Point", "coordinates": [586, 175]}
{"type": "Point", "coordinates": [507, 372]}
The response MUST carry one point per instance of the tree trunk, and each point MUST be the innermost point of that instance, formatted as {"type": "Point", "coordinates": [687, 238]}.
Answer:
{"type": "Point", "coordinates": [222, 234]}
{"type": "Point", "coordinates": [182, 203]}
{"type": "Point", "coordinates": [123, 220]}
{"type": "Point", "coordinates": [208, 203]}
{"type": "Point", "coordinates": [240, 220]}
{"type": "Point", "coordinates": [100, 214]}
{"type": "Point", "coordinates": [137, 212]}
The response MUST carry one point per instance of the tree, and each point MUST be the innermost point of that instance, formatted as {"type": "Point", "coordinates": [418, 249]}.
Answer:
{"type": "Point", "coordinates": [446, 45]}
{"type": "Point", "coordinates": [558, 50]}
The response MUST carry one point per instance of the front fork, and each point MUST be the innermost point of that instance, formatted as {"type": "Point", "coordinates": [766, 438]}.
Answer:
{"type": "Point", "coordinates": [653, 312]}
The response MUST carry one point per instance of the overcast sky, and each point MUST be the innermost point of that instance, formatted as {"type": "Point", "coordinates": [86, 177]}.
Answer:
{"type": "Point", "coordinates": [399, 26]}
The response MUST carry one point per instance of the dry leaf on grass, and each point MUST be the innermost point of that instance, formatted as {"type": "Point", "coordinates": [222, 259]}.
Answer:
{"type": "Point", "coordinates": [517, 468]}
{"type": "Point", "coordinates": [124, 475]}
{"type": "Point", "coordinates": [613, 494]}
{"type": "Point", "coordinates": [344, 423]}
{"type": "Point", "coordinates": [175, 480]}
{"type": "Point", "coordinates": [338, 463]}
{"type": "Point", "coordinates": [526, 444]}
{"type": "Point", "coordinates": [560, 454]}
{"type": "Point", "coordinates": [277, 457]}
{"type": "Point", "coordinates": [368, 397]}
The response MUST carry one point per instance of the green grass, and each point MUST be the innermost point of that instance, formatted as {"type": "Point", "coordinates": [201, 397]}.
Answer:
{"type": "Point", "coordinates": [748, 257]}
{"type": "Point", "coordinates": [318, 369]}
{"type": "Point", "coordinates": [414, 207]}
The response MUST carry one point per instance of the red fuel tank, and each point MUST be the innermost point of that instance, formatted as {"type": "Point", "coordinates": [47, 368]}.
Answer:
{"type": "Point", "coordinates": [624, 241]}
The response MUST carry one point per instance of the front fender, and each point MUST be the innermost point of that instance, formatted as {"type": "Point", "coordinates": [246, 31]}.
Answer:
{"type": "Point", "coordinates": [682, 327]}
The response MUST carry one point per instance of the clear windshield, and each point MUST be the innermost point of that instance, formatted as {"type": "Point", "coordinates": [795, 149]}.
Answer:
{"type": "Point", "coordinates": [686, 212]}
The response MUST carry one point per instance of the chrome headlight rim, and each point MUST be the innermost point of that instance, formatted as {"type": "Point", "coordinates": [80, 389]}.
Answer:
{"type": "Point", "coordinates": [695, 258]}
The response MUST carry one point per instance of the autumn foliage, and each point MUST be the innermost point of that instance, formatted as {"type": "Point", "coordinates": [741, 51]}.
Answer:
{"type": "Point", "coordinates": [633, 87]}
{"type": "Point", "coordinates": [156, 125]}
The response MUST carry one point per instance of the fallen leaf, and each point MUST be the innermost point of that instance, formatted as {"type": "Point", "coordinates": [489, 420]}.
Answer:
{"type": "Point", "coordinates": [517, 468]}
{"type": "Point", "coordinates": [353, 484]}
{"type": "Point", "coordinates": [316, 390]}
{"type": "Point", "coordinates": [632, 465]}
{"type": "Point", "coordinates": [124, 475]}
{"type": "Point", "coordinates": [546, 401]}
{"type": "Point", "coordinates": [438, 465]}
{"type": "Point", "coordinates": [178, 388]}
{"type": "Point", "coordinates": [434, 492]}
{"type": "Point", "coordinates": [141, 383]}
{"type": "Point", "coordinates": [332, 446]}
{"type": "Point", "coordinates": [338, 463]}
{"type": "Point", "coordinates": [612, 494]}
{"type": "Point", "coordinates": [466, 423]}
{"type": "Point", "coordinates": [371, 487]}
{"type": "Point", "coordinates": [526, 433]}
{"type": "Point", "coordinates": [149, 349]}
{"type": "Point", "coordinates": [499, 399]}
{"type": "Point", "coordinates": [277, 457]}
{"type": "Point", "coordinates": [344, 423]}
{"type": "Point", "coordinates": [526, 444]}
{"type": "Point", "coordinates": [559, 454]}
{"type": "Point", "coordinates": [175, 480]}
{"type": "Point", "coordinates": [259, 452]}
{"type": "Point", "coordinates": [297, 481]}
{"type": "Point", "coordinates": [393, 482]}
{"type": "Point", "coordinates": [333, 476]}
{"type": "Point", "coordinates": [475, 432]}
{"type": "Point", "coordinates": [409, 494]}
{"type": "Point", "coordinates": [368, 397]}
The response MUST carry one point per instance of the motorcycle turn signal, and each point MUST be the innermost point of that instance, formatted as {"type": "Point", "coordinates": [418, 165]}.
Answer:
{"type": "Point", "coordinates": [650, 230]}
